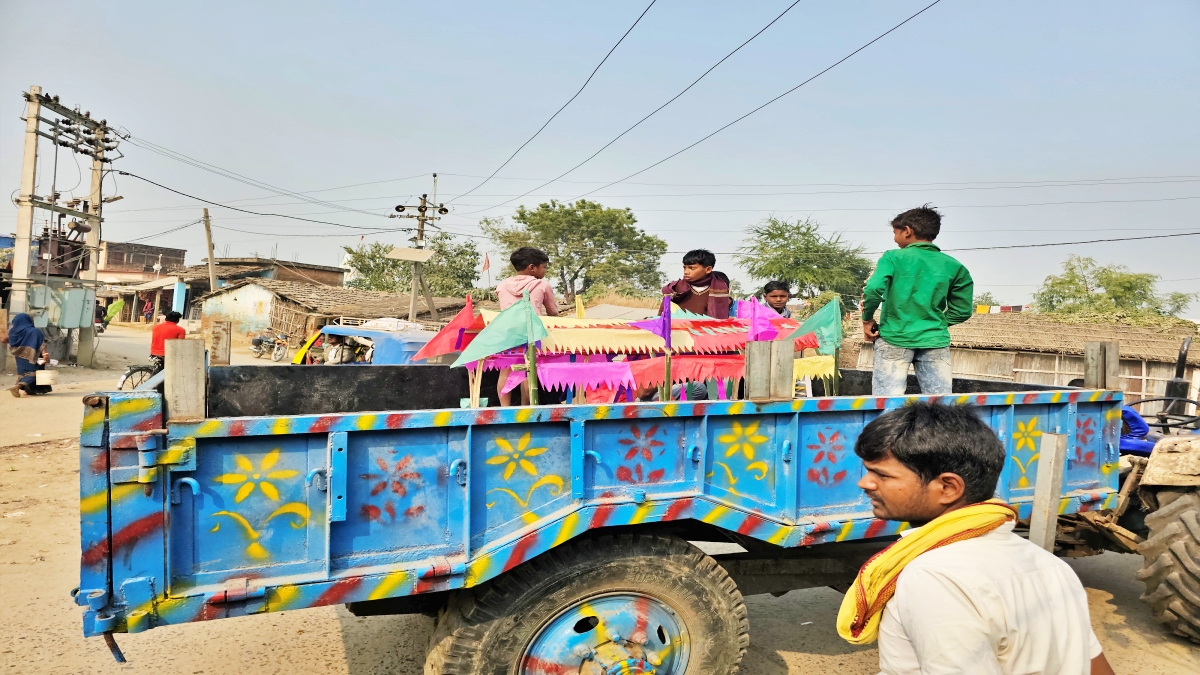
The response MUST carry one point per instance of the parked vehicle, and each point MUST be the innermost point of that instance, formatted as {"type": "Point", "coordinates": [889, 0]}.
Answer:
{"type": "Point", "coordinates": [276, 345]}
{"type": "Point", "coordinates": [138, 374]}
{"type": "Point", "coordinates": [556, 538]}
{"type": "Point", "coordinates": [379, 347]}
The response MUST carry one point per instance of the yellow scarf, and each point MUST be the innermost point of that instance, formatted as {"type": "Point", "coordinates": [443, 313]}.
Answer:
{"type": "Point", "coordinates": [862, 608]}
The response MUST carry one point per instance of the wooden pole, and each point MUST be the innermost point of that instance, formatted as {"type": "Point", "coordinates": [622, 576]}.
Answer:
{"type": "Point", "coordinates": [1047, 491]}
{"type": "Point", "coordinates": [531, 352]}
{"type": "Point", "coordinates": [184, 380]}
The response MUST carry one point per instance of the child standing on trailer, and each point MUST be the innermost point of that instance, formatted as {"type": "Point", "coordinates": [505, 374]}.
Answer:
{"type": "Point", "coordinates": [701, 290]}
{"type": "Point", "coordinates": [531, 265]}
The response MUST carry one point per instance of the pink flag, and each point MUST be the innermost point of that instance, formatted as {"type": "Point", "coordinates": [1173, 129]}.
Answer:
{"type": "Point", "coordinates": [660, 325]}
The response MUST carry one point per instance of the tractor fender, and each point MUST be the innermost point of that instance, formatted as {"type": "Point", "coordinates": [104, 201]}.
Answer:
{"type": "Point", "coordinates": [1175, 462]}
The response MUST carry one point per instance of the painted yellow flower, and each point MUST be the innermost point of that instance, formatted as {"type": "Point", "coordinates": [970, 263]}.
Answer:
{"type": "Point", "coordinates": [742, 439]}
{"type": "Point", "coordinates": [1026, 434]}
{"type": "Point", "coordinates": [251, 477]}
{"type": "Point", "coordinates": [516, 457]}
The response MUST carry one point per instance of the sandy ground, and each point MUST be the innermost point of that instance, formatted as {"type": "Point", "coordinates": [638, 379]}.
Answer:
{"type": "Point", "coordinates": [56, 415]}
{"type": "Point", "coordinates": [39, 554]}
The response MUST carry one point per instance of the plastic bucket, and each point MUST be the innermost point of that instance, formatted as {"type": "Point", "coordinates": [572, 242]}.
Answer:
{"type": "Point", "coordinates": [46, 377]}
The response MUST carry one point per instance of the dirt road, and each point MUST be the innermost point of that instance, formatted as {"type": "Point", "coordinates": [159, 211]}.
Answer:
{"type": "Point", "coordinates": [39, 558]}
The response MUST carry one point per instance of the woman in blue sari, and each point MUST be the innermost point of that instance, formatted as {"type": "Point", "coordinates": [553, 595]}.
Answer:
{"type": "Point", "coordinates": [27, 343]}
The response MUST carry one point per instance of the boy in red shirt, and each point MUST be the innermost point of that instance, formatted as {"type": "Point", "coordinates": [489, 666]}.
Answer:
{"type": "Point", "coordinates": [169, 329]}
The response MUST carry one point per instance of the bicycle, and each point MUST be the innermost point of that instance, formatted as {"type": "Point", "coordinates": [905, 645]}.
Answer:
{"type": "Point", "coordinates": [137, 375]}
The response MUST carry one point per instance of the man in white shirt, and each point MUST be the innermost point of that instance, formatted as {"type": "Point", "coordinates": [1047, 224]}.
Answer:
{"type": "Point", "coordinates": [980, 600]}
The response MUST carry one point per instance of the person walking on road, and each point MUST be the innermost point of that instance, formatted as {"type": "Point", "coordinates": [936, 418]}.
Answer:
{"type": "Point", "coordinates": [924, 292]}
{"type": "Point", "coordinates": [959, 593]}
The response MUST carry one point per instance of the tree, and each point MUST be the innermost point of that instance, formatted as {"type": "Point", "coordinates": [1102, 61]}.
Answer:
{"type": "Point", "coordinates": [798, 253]}
{"type": "Point", "coordinates": [1085, 286]}
{"type": "Point", "coordinates": [986, 298]}
{"type": "Point", "coordinates": [588, 244]}
{"type": "Point", "coordinates": [450, 272]}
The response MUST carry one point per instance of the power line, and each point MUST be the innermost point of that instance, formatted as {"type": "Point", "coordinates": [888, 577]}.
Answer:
{"type": "Point", "coordinates": [1073, 243]}
{"type": "Point", "coordinates": [255, 213]}
{"type": "Point", "coordinates": [656, 110]}
{"type": "Point", "coordinates": [225, 173]}
{"type": "Point", "coordinates": [278, 234]}
{"type": "Point", "coordinates": [976, 182]}
{"type": "Point", "coordinates": [835, 65]}
{"type": "Point", "coordinates": [564, 106]}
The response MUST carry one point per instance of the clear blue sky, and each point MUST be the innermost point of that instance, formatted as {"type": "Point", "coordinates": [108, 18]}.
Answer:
{"type": "Point", "coordinates": [309, 96]}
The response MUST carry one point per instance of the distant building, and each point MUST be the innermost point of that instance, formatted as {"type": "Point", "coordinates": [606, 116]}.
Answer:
{"type": "Point", "coordinates": [298, 309]}
{"type": "Point", "coordinates": [230, 269]}
{"type": "Point", "coordinates": [131, 264]}
{"type": "Point", "coordinates": [1033, 348]}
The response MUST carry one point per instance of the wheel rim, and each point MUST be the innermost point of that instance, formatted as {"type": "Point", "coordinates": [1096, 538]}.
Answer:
{"type": "Point", "coordinates": [617, 633]}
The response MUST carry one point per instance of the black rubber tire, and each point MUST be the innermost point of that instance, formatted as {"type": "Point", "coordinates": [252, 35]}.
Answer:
{"type": "Point", "coordinates": [135, 376]}
{"type": "Point", "coordinates": [279, 353]}
{"type": "Point", "coordinates": [485, 630]}
{"type": "Point", "coordinates": [1172, 565]}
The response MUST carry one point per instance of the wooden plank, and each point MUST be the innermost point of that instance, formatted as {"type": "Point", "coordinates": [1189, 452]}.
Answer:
{"type": "Point", "coordinates": [758, 371]}
{"type": "Point", "coordinates": [783, 385]}
{"type": "Point", "coordinates": [1047, 492]}
{"type": "Point", "coordinates": [222, 332]}
{"type": "Point", "coordinates": [1112, 365]}
{"type": "Point", "coordinates": [1093, 365]}
{"type": "Point", "coordinates": [183, 382]}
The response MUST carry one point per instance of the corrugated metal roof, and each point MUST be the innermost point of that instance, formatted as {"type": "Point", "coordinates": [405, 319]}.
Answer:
{"type": "Point", "coordinates": [339, 301]}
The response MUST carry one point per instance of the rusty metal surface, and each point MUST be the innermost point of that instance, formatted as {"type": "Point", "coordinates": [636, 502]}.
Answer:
{"type": "Point", "coordinates": [1174, 462]}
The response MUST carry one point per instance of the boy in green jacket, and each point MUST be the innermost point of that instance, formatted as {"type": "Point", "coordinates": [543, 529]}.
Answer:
{"type": "Point", "coordinates": [924, 292]}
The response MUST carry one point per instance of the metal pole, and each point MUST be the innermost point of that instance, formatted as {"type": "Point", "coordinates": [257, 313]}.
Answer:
{"type": "Point", "coordinates": [17, 301]}
{"type": "Point", "coordinates": [212, 265]}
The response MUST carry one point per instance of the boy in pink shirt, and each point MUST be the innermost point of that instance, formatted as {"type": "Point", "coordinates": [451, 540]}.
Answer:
{"type": "Point", "coordinates": [530, 264]}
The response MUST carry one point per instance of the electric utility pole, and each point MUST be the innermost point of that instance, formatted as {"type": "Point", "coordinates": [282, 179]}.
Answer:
{"type": "Point", "coordinates": [212, 265]}
{"type": "Point", "coordinates": [423, 215]}
{"type": "Point", "coordinates": [77, 131]}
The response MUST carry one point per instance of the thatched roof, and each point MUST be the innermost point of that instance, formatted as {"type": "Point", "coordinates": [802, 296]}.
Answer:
{"type": "Point", "coordinates": [1032, 332]}
{"type": "Point", "coordinates": [339, 301]}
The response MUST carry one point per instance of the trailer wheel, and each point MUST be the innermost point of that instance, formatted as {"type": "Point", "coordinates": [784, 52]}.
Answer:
{"type": "Point", "coordinates": [1172, 565]}
{"type": "Point", "coordinates": [629, 603]}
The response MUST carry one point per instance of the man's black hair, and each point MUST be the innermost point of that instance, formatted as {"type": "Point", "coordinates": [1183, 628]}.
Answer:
{"type": "Point", "coordinates": [925, 221]}
{"type": "Point", "coordinates": [173, 317]}
{"type": "Point", "coordinates": [526, 256]}
{"type": "Point", "coordinates": [700, 257]}
{"type": "Point", "coordinates": [777, 286]}
{"type": "Point", "coordinates": [931, 439]}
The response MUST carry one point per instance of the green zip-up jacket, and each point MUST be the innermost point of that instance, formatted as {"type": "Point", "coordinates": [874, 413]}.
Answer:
{"type": "Point", "coordinates": [923, 291]}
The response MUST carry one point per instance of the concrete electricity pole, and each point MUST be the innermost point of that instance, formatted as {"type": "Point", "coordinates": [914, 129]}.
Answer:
{"type": "Point", "coordinates": [212, 265]}
{"type": "Point", "coordinates": [86, 354]}
{"type": "Point", "coordinates": [418, 275]}
{"type": "Point", "coordinates": [20, 273]}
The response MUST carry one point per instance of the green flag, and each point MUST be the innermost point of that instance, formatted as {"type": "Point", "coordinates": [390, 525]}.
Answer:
{"type": "Point", "coordinates": [826, 324]}
{"type": "Point", "coordinates": [518, 325]}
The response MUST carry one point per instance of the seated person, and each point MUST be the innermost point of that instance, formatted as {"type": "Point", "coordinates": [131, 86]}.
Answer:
{"type": "Point", "coordinates": [777, 294]}
{"type": "Point", "coordinates": [701, 290]}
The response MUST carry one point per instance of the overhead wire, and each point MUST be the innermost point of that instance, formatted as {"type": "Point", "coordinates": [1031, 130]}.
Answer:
{"type": "Point", "coordinates": [256, 213]}
{"type": "Point", "coordinates": [764, 105]}
{"type": "Point", "coordinates": [564, 106]}
{"type": "Point", "coordinates": [652, 112]}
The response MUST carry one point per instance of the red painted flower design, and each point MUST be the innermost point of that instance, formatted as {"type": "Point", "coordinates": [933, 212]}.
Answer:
{"type": "Point", "coordinates": [828, 450]}
{"type": "Point", "coordinates": [396, 480]}
{"type": "Point", "coordinates": [648, 448]}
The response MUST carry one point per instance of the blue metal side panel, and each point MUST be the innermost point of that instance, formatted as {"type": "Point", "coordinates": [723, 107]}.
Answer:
{"type": "Point", "coordinates": [516, 482]}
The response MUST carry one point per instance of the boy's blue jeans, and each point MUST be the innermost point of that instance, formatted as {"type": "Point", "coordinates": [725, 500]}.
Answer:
{"type": "Point", "coordinates": [890, 377]}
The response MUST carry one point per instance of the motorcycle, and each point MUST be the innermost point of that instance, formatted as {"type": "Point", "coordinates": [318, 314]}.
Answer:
{"type": "Point", "coordinates": [275, 345]}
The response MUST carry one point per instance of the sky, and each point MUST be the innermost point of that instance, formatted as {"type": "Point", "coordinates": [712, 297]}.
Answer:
{"type": "Point", "coordinates": [1023, 122]}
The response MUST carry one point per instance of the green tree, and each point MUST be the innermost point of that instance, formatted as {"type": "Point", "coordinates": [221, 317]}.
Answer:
{"type": "Point", "coordinates": [450, 272]}
{"type": "Point", "coordinates": [798, 253]}
{"type": "Point", "coordinates": [1085, 286]}
{"type": "Point", "coordinates": [588, 244]}
{"type": "Point", "coordinates": [986, 298]}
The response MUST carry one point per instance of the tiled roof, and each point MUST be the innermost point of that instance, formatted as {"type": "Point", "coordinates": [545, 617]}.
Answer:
{"type": "Point", "coordinates": [339, 301]}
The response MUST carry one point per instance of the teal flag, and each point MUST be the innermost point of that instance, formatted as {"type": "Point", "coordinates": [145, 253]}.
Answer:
{"type": "Point", "coordinates": [826, 324]}
{"type": "Point", "coordinates": [516, 326]}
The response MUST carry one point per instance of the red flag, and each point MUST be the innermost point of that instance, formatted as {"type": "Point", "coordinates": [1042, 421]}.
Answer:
{"type": "Point", "coordinates": [449, 339]}
{"type": "Point", "coordinates": [487, 264]}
